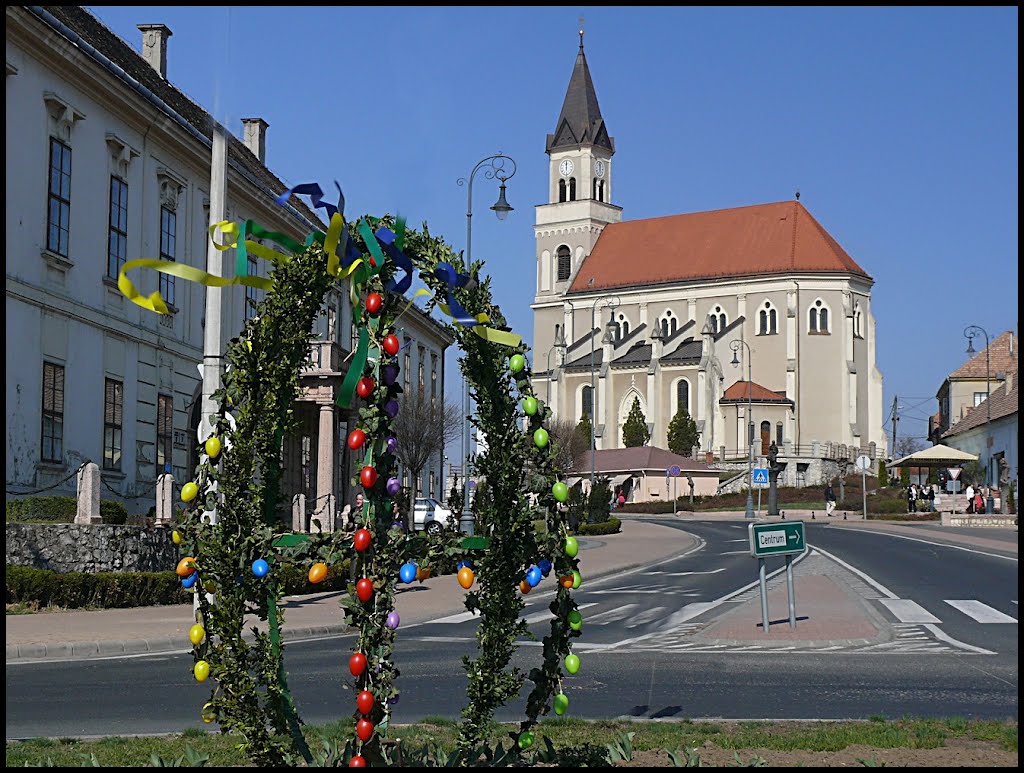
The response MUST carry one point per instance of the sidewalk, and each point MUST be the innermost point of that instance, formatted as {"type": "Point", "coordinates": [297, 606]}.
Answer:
{"type": "Point", "coordinates": [826, 612]}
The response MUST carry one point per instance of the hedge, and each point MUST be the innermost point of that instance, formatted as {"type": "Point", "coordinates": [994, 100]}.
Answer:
{"type": "Point", "coordinates": [118, 590]}
{"type": "Point", "coordinates": [56, 509]}
{"type": "Point", "coordinates": [611, 526]}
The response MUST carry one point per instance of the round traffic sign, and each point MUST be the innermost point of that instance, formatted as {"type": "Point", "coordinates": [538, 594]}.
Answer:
{"type": "Point", "coordinates": [674, 470]}
{"type": "Point", "coordinates": [863, 462]}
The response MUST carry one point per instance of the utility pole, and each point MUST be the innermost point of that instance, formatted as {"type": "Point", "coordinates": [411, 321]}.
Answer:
{"type": "Point", "coordinates": [895, 419]}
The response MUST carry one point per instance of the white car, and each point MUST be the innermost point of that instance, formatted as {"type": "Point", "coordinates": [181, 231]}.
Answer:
{"type": "Point", "coordinates": [431, 516]}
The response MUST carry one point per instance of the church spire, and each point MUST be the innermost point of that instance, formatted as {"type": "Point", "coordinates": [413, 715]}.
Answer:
{"type": "Point", "coordinates": [580, 121]}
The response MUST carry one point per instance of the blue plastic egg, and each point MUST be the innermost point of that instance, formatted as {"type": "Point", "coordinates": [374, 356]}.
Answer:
{"type": "Point", "coordinates": [408, 572]}
{"type": "Point", "coordinates": [545, 566]}
{"type": "Point", "coordinates": [533, 576]}
{"type": "Point", "coordinates": [188, 582]}
{"type": "Point", "coordinates": [260, 567]}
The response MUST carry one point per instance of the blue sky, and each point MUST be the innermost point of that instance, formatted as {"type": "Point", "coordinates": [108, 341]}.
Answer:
{"type": "Point", "coordinates": [897, 125]}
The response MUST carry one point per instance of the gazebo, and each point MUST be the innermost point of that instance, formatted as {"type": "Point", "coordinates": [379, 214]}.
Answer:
{"type": "Point", "coordinates": [936, 456]}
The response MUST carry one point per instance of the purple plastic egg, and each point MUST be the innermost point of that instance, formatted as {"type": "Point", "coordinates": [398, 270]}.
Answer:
{"type": "Point", "coordinates": [394, 485]}
{"type": "Point", "coordinates": [389, 374]}
{"type": "Point", "coordinates": [392, 620]}
{"type": "Point", "coordinates": [393, 700]}
{"type": "Point", "coordinates": [392, 444]}
{"type": "Point", "coordinates": [391, 408]}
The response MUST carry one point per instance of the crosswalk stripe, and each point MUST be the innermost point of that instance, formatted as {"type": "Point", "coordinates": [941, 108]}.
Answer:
{"type": "Point", "coordinates": [907, 611]}
{"type": "Point", "coordinates": [539, 617]}
{"type": "Point", "coordinates": [983, 613]}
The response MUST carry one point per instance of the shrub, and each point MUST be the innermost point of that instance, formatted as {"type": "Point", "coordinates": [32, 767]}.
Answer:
{"type": "Point", "coordinates": [611, 526]}
{"type": "Point", "coordinates": [114, 512]}
{"type": "Point", "coordinates": [108, 590]}
{"type": "Point", "coordinates": [56, 509]}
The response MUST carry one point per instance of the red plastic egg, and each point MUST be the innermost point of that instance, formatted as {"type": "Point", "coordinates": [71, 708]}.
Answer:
{"type": "Point", "coordinates": [364, 590]}
{"type": "Point", "coordinates": [361, 539]}
{"type": "Point", "coordinates": [391, 344]}
{"type": "Point", "coordinates": [367, 477]}
{"type": "Point", "coordinates": [374, 303]}
{"type": "Point", "coordinates": [364, 729]}
{"type": "Point", "coordinates": [356, 438]}
{"type": "Point", "coordinates": [357, 663]}
{"type": "Point", "coordinates": [365, 386]}
{"type": "Point", "coordinates": [357, 762]}
{"type": "Point", "coordinates": [364, 701]}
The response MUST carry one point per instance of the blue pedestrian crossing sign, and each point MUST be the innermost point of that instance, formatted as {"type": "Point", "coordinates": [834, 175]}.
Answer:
{"type": "Point", "coordinates": [760, 476]}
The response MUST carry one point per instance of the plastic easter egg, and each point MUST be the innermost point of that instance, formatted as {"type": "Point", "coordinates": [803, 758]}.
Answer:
{"type": "Point", "coordinates": [560, 492]}
{"type": "Point", "coordinates": [361, 539]}
{"type": "Point", "coordinates": [530, 406]}
{"type": "Point", "coordinates": [540, 438]}
{"type": "Point", "coordinates": [210, 587]}
{"type": "Point", "coordinates": [260, 567]}
{"type": "Point", "coordinates": [208, 713]}
{"type": "Point", "coordinates": [358, 761]}
{"type": "Point", "coordinates": [466, 577]}
{"type": "Point", "coordinates": [188, 582]}
{"type": "Point", "coordinates": [575, 620]}
{"type": "Point", "coordinates": [357, 664]}
{"type": "Point", "coordinates": [525, 587]}
{"type": "Point", "coordinates": [365, 701]}
{"type": "Point", "coordinates": [422, 573]}
{"type": "Point", "coordinates": [577, 579]}
{"type": "Point", "coordinates": [392, 444]}
{"type": "Point", "coordinates": [196, 634]}
{"type": "Point", "coordinates": [545, 566]}
{"type": "Point", "coordinates": [561, 703]}
{"type": "Point", "coordinates": [389, 374]}
{"type": "Point", "coordinates": [572, 547]}
{"type": "Point", "coordinates": [201, 670]}
{"type": "Point", "coordinates": [213, 447]}
{"type": "Point", "coordinates": [368, 477]}
{"type": "Point", "coordinates": [176, 537]}
{"type": "Point", "coordinates": [394, 486]}
{"type": "Point", "coordinates": [364, 730]}
{"type": "Point", "coordinates": [391, 408]}
{"type": "Point", "coordinates": [365, 386]}
{"type": "Point", "coordinates": [392, 620]}
{"type": "Point", "coordinates": [526, 740]}
{"type": "Point", "coordinates": [566, 580]}
{"type": "Point", "coordinates": [186, 566]}
{"type": "Point", "coordinates": [364, 590]}
{"type": "Point", "coordinates": [572, 663]}
{"type": "Point", "coordinates": [408, 572]}
{"type": "Point", "coordinates": [317, 572]}
{"type": "Point", "coordinates": [374, 303]}
{"type": "Point", "coordinates": [189, 491]}
{"type": "Point", "coordinates": [533, 576]}
{"type": "Point", "coordinates": [391, 344]}
{"type": "Point", "coordinates": [465, 562]}
{"type": "Point", "coordinates": [356, 438]}
{"type": "Point", "coordinates": [516, 363]}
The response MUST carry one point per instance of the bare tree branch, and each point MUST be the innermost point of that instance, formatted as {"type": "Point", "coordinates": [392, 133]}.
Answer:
{"type": "Point", "coordinates": [424, 426]}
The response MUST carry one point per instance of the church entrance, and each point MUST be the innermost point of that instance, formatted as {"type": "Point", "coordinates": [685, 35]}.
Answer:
{"type": "Point", "coordinates": [766, 437]}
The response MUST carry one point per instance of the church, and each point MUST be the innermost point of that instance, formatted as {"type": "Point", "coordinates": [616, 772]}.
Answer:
{"type": "Point", "coordinates": [754, 319]}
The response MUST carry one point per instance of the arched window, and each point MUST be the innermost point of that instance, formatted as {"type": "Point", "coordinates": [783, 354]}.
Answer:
{"type": "Point", "coordinates": [767, 320]}
{"type": "Point", "coordinates": [712, 323]}
{"type": "Point", "coordinates": [669, 324]}
{"type": "Point", "coordinates": [587, 403]}
{"type": "Point", "coordinates": [778, 434]}
{"type": "Point", "coordinates": [817, 317]}
{"type": "Point", "coordinates": [856, 321]}
{"type": "Point", "coordinates": [623, 327]}
{"type": "Point", "coordinates": [683, 396]}
{"type": "Point", "coordinates": [572, 189]}
{"type": "Point", "coordinates": [561, 190]}
{"type": "Point", "coordinates": [600, 190]}
{"type": "Point", "coordinates": [594, 196]}
{"type": "Point", "coordinates": [719, 320]}
{"type": "Point", "coordinates": [564, 263]}
{"type": "Point", "coordinates": [766, 437]}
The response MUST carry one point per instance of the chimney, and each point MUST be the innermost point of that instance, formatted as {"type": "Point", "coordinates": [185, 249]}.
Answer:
{"type": "Point", "coordinates": [254, 135]}
{"type": "Point", "coordinates": [154, 46]}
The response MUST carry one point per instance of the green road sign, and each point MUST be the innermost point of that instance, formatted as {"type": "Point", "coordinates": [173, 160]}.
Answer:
{"type": "Point", "coordinates": [776, 539]}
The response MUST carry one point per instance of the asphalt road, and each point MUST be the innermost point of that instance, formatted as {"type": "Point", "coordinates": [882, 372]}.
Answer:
{"type": "Point", "coordinates": [157, 694]}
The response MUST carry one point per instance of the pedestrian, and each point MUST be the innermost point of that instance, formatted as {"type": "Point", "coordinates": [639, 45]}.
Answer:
{"type": "Point", "coordinates": [622, 498]}
{"type": "Point", "coordinates": [970, 498]}
{"type": "Point", "coordinates": [931, 497]}
{"type": "Point", "coordinates": [979, 502]}
{"type": "Point", "coordinates": [830, 500]}
{"type": "Point", "coordinates": [911, 498]}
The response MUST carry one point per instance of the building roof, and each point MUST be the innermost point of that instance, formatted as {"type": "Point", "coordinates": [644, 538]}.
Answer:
{"type": "Point", "coordinates": [737, 393]}
{"type": "Point", "coordinates": [580, 121]}
{"type": "Point", "coordinates": [1003, 402]}
{"type": "Point", "coordinates": [763, 239]}
{"type": "Point", "coordinates": [1002, 359]}
{"type": "Point", "coordinates": [689, 351]}
{"type": "Point", "coordinates": [136, 69]}
{"type": "Point", "coordinates": [640, 458]}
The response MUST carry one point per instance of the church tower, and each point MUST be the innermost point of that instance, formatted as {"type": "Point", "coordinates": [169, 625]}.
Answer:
{"type": "Point", "coordinates": [578, 207]}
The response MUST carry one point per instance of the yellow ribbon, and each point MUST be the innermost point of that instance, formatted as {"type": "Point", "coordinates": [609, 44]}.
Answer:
{"type": "Point", "coordinates": [155, 301]}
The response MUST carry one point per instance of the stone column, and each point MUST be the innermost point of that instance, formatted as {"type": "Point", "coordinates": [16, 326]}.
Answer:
{"type": "Point", "coordinates": [88, 495]}
{"type": "Point", "coordinates": [325, 463]}
{"type": "Point", "coordinates": [299, 513]}
{"type": "Point", "coordinates": [164, 500]}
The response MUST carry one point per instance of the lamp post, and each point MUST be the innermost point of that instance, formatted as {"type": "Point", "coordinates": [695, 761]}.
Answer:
{"type": "Point", "coordinates": [561, 346]}
{"type": "Point", "coordinates": [493, 166]}
{"type": "Point", "coordinates": [969, 332]}
{"type": "Point", "coordinates": [612, 302]}
{"type": "Point", "coordinates": [735, 346]}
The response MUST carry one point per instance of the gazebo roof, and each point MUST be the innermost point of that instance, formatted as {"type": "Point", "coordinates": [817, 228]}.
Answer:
{"type": "Point", "coordinates": [936, 456]}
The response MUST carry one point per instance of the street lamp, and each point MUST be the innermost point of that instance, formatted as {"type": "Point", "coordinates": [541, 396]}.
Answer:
{"type": "Point", "coordinates": [493, 166]}
{"type": "Point", "coordinates": [612, 302]}
{"type": "Point", "coordinates": [561, 346]}
{"type": "Point", "coordinates": [969, 332]}
{"type": "Point", "coordinates": [735, 346]}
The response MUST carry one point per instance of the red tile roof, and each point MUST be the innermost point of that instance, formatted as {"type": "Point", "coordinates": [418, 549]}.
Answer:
{"type": "Point", "coordinates": [608, 460]}
{"type": "Point", "coordinates": [1003, 403]}
{"type": "Point", "coordinates": [758, 394]}
{"type": "Point", "coordinates": [743, 241]}
{"type": "Point", "coordinates": [1002, 355]}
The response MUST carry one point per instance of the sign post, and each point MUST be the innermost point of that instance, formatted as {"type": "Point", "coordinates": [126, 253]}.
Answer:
{"type": "Point", "coordinates": [673, 473]}
{"type": "Point", "coordinates": [864, 463]}
{"type": "Point", "coordinates": [759, 478]}
{"type": "Point", "coordinates": [780, 539]}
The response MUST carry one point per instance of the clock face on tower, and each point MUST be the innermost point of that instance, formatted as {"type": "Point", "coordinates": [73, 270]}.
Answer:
{"type": "Point", "coordinates": [566, 167]}
{"type": "Point", "coordinates": [599, 168]}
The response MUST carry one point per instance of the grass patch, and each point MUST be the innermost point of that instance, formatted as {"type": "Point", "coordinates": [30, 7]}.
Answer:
{"type": "Point", "coordinates": [877, 733]}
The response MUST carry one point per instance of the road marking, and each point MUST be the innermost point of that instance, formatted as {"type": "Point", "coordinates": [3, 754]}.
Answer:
{"type": "Point", "coordinates": [645, 617]}
{"type": "Point", "coordinates": [710, 571]}
{"type": "Point", "coordinates": [735, 553]}
{"type": "Point", "coordinates": [937, 544]}
{"type": "Point", "coordinates": [940, 634]}
{"type": "Point", "coordinates": [539, 617]}
{"type": "Point", "coordinates": [907, 611]}
{"type": "Point", "coordinates": [458, 617]}
{"type": "Point", "coordinates": [612, 614]}
{"type": "Point", "coordinates": [983, 613]}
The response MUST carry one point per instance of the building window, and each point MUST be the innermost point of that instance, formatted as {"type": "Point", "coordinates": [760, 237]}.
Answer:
{"type": "Point", "coordinates": [52, 445]}
{"type": "Point", "coordinates": [421, 375]}
{"type": "Point", "coordinates": [598, 190]}
{"type": "Point", "coordinates": [856, 321]}
{"type": "Point", "coordinates": [251, 299]}
{"type": "Point", "coordinates": [564, 263]}
{"type": "Point", "coordinates": [58, 213]}
{"type": "Point", "coordinates": [433, 376]}
{"type": "Point", "coordinates": [979, 398]}
{"type": "Point", "coordinates": [117, 238]}
{"type": "Point", "coordinates": [817, 321]}
{"type": "Point", "coordinates": [587, 403]}
{"type": "Point", "coordinates": [683, 396]}
{"type": "Point", "coordinates": [621, 328]}
{"type": "Point", "coordinates": [778, 433]}
{"type": "Point", "coordinates": [406, 368]}
{"type": "Point", "coordinates": [113, 399]}
{"type": "Point", "coordinates": [164, 433]}
{"type": "Point", "coordinates": [561, 191]}
{"type": "Point", "coordinates": [767, 320]}
{"type": "Point", "coordinates": [572, 189]}
{"type": "Point", "coordinates": [433, 481]}
{"type": "Point", "coordinates": [669, 324]}
{"type": "Point", "coordinates": [720, 319]}
{"type": "Point", "coordinates": [168, 251]}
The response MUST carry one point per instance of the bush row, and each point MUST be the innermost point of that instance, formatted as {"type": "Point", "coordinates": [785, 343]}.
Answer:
{"type": "Point", "coordinates": [57, 509]}
{"type": "Point", "coordinates": [118, 590]}
{"type": "Point", "coordinates": [611, 526]}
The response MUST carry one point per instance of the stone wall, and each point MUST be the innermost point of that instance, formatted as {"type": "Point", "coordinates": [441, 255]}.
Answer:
{"type": "Point", "coordinates": [67, 547]}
